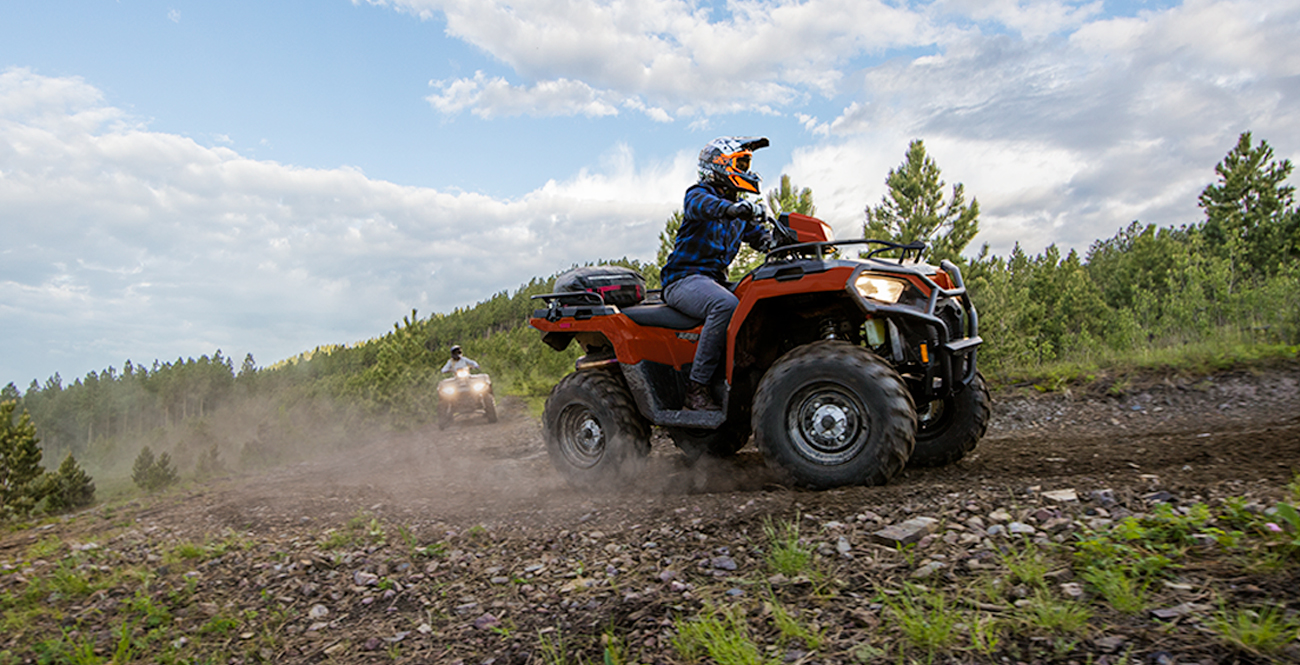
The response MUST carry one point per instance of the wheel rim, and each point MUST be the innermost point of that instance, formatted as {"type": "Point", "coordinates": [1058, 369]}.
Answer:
{"type": "Point", "coordinates": [582, 441]}
{"type": "Point", "coordinates": [932, 417]}
{"type": "Point", "coordinates": [827, 423]}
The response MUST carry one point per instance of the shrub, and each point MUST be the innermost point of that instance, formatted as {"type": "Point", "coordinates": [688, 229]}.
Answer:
{"type": "Point", "coordinates": [153, 474]}
{"type": "Point", "coordinates": [69, 488]}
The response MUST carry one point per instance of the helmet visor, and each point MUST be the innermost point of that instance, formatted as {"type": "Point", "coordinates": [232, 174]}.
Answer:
{"type": "Point", "coordinates": [741, 160]}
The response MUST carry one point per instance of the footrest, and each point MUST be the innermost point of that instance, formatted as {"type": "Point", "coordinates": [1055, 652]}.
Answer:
{"type": "Point", "coordinates": [686, 418]}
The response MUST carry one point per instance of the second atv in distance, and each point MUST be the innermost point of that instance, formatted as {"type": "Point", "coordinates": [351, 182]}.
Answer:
{"type": "Point", "coordinates": [465, 393]}
{"type": "Point", "coordinates": [844, 370]}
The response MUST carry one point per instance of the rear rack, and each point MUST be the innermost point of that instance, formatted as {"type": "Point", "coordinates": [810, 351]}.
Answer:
{"type": "Point", "coordinates": [580, 305]}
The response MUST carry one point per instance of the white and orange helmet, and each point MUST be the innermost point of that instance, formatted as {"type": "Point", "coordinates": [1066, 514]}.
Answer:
{"type": "Point", "coordinates": [726, 160]}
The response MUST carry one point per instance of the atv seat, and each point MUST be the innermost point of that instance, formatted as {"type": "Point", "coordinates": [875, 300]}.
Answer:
{"type": "Point", "coordinates": [661, 316]}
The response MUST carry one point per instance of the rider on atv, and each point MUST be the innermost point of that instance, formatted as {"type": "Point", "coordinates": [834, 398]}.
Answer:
{"type": "Point", "coordinates": [458, 361]}
{"type": "Point", "coordinates": [714, 222]}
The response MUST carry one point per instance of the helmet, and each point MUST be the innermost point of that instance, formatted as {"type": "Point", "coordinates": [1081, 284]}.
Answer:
{"type": "Point", "coordinates": [455, 351]}
{"type": "Point", "coordinates": [725, 161]}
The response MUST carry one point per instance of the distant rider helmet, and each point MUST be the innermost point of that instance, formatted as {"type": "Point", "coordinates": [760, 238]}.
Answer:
{"type": "Point", "coordinates": [726, 160]}
{"type": "Point", "coordinates": [455, 351]}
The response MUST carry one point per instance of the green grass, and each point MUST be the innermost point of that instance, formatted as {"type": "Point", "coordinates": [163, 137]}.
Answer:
{"type": "Point", "coordinates": [1123, 592]}
{"type": "Point", "coordinates": [926, 618]}
{"type": "Point", "coordinates": [1029, 566]}
{"type": "Point", "coordinates": [790, 627]}
{"type": "Point", "coordinates": [1048, 614]}
{"type": "Point", "coordinates": [1261, 631]}
{"type": "Point", "coordinates": [786, 553]}
{"type": "Point", "coordinates": [721, 635]}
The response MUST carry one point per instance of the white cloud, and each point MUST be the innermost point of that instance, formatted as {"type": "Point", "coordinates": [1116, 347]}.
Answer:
{"type": "Point", "coordinates": [1067, 139]}
{"type": "Point", "coordinates": [669, 55]}
{"type": "Point", "coordinates": [124, 243]}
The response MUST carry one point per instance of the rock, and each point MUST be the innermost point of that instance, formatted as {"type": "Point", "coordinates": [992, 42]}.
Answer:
{"type": "Point", "coordinates": [843, 547]}
{"type": "Point", "coordinates": [362, 578]}
{"type": "Point", "coordinates": [1057, 524]}
{"type": "Point", "coordinates": [997, 530]}
{"type": "Point", "coordinates": [906, 533]}
{"type": "Point", "coordinates": [1061, 496]}
{"type": "Point", "coordinates": [1020, 529]}
{"type": "Point", "coordinates": [486, 622]}
{"type": "Point", "coordinates": [1171, 613]}
{"type": "Point", "coordinates": [1000, 515]}
{"type": "Point", "coordinates": [1072, 590]}
{"type": "Point", "coordinates": [723, 563]}
{"type": "Point", "coordinates": [928, 569]}
{"type": "Point", "coordinates": [1110, 643]}
{"type": "Point", "coordinates": [318, 612]}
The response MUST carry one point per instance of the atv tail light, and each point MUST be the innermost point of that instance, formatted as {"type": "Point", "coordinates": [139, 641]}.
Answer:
{"type": "Point", "coordinates": [880, 288]}
{"type": "Point", "coordinates": [925, 354]}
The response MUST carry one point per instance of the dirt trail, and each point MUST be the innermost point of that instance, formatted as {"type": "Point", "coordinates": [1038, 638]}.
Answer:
{"type": "Point", "coordinates": [521, 556]}
{"type": "Point", "coordinates": [1232, 427]}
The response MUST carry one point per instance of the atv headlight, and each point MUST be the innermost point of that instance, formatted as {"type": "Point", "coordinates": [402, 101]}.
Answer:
{"type": "Point", "coordinates": [479, 386]}
{"type": "Point", "coordinates": [880, 288]}
{"type": "Point", "coordinates": [448, 390]}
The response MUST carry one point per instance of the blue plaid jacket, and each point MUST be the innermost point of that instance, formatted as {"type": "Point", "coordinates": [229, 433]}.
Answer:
{"type": "Point", "coordinates": [707, 241]}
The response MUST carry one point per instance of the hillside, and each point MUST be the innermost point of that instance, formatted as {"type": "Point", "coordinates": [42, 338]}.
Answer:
{"type": "Point", "coordinates": [464, 546]}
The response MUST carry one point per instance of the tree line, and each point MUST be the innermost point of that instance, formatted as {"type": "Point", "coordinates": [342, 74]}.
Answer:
{"type": "Point", "coordinates": [1232, 278]}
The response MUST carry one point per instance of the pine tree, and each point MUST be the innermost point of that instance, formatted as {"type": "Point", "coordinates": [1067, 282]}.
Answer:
{"type": "Point", "coordinates": [788, 198]}
{"type": "Point", "coordinates": [915, 209]}
{"type": "Point", "coordinates": [1248, 212]}
{"type": "Point", "coordinates": [142, 469]}
{"type": "Point", "coordinates": [20, 463]}
{"type": "Point", "coordinates": [69, 488]}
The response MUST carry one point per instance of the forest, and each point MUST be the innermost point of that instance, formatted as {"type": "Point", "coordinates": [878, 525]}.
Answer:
{"type": "Point", "coordinates": [1217, 291]}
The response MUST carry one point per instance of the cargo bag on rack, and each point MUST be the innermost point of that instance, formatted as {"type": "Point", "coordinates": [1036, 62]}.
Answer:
{"type": "Point", "coordinates": [619, 286]}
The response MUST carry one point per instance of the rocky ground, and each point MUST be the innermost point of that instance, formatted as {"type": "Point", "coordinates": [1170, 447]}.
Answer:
{"type": "Point", "coordinates": [464, 546]}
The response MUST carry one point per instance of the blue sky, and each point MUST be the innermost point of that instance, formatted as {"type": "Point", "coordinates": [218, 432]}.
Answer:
{"type": "Point", "coordinates": [264, 177]}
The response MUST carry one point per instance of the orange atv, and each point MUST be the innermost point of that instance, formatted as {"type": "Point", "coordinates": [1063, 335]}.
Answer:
{"type": "Point", "coordinates": [843, 369]}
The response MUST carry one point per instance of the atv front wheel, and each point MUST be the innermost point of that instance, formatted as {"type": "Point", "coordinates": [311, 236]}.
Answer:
{"type": "Point", "coordinates": [832, 413]}
{"type": "Point", "coordinates": [949, 428]}
{"type": "Point", "coordinates": [490, 408]}
{"type": "Point", "coordinates": [593, 430]}
{"type": "Point", "coordinates": [722, 442]}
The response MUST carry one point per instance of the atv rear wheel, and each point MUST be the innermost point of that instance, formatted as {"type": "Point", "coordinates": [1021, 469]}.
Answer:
{"type": "Point", "coordinates": [725, 441]}
{"type": "Point", "coordinates": [949, 428]}
{"type": "Point", "coordinates": [831, 413]}
{"type": "Point", "coordinates": [593, 430]}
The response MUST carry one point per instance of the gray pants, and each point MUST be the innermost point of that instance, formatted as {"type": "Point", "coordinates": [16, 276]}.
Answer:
{"type": "Point", "coordinates": [701, 297]}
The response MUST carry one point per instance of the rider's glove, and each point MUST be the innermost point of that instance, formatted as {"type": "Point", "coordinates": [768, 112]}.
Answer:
{"type": "Point", "coordinates": [741, 209]}
{"type": "Point", "coordinates": [767, 243]}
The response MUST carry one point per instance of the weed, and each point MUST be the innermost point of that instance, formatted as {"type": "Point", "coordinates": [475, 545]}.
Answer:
{"type": "Point", "coordinates": [44, 548]}
{"type": "Point", "coordinates": [220, 626]}
{"type": "Point", "coordinates": [552, 648]}
{"type": "Point", "coordinates": [720, 634]}
{"type": "Point", "coordinates": [1259, 631]}
{"type": "Point", "coordinates": [786, 554]}
{"type": "Point", "coordinates": [1122, 591]}
{"type": "Point", "coordinates": [615, 650]}
{"type": "Point", "coordinates": [1029, 566]}
{"type": "Point", "coordinates": [985, 634]}
{"type": "Point", "coordinates": [1048, 614]}
{"type": "Point", "coordinates": [926, 619]}
{"type": "Point", "coordinates": [789, 626]}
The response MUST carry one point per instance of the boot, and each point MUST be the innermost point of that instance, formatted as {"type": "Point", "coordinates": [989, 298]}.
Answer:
{"type": "Point", "coordinates": [700, 398]}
